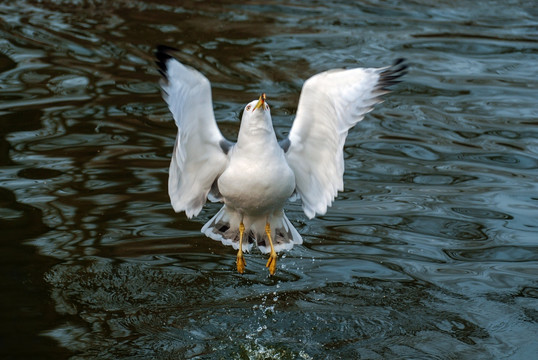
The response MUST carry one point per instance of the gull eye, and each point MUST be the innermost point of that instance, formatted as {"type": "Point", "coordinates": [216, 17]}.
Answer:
{"type": "Point", "coordinates": [248, 107]}
{"type": "Point", "coordinates": [266, 107]}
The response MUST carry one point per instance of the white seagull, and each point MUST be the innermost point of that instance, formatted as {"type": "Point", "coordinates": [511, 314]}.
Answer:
{"type": "Point", "coordinates": [256, 176]}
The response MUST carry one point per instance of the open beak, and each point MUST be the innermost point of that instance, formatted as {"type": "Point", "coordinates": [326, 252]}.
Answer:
{"type": "Point", "coordinates": [261, 102]}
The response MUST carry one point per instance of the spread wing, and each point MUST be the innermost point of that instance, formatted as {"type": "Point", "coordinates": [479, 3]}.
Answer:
{"type": "Point", "coordinates": [330, 104]}
{"type": "Point", "coordinates": [200, 151]}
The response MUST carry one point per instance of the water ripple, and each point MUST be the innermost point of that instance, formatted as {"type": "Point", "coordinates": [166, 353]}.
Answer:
{"type": "Point", "coordinates": [430, 250]}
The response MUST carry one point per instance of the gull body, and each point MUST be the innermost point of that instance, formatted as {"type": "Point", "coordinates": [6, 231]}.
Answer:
{"type": "Point", "coordinates": [257, 182]}
{"type": "Point", "coordinates": [256, 176]}
{"type": "Point", "coordinates": [257, 162]}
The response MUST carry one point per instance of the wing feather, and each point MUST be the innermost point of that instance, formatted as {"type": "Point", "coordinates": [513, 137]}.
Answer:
{"type": "Point", "coordinates": [330, 104]}
{"type": "Point", "coordinates": [200, 151]}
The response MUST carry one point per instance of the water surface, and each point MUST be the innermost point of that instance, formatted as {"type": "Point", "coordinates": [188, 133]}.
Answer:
{"type": "Point", "coordinates": [431, 252]}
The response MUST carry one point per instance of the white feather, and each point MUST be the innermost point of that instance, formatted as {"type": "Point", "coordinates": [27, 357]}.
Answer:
{"type": "Point", "coordinates": [198, 158]}
{"type": "Point", "coordinates": [330, 104]}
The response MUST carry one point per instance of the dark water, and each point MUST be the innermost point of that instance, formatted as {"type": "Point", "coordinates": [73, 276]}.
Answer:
{"type": "Point", "coordinates": [431, 252]}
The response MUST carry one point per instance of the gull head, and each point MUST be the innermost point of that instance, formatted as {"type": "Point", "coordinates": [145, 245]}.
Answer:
{"type": "Point", "coordinates": [257, 116]}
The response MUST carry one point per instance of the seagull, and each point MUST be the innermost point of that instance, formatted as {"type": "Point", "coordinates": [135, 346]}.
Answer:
{"type": "Point", "coordinates": [255, 176]}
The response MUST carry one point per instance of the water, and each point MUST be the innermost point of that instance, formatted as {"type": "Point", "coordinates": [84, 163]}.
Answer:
{"type": "Point", "coordinates": [431, 252]}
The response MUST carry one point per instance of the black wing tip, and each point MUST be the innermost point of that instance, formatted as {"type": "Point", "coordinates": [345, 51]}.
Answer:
{"type": "Point", "coordinates": [390, 76]}
{"type": "Point", "coordinates": [163, 54]}
{"type": "Point", "coordinates": [398, 61]}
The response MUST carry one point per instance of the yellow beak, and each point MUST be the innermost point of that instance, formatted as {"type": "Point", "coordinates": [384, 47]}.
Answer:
{"type": "Point", "coordinates": [260, 102]}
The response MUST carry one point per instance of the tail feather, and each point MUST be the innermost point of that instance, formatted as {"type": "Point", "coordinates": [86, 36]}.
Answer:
{"type": "Point", "coordinates": [284, 236]}
{"type": "Point", "coordinates": [224, 227]}
{"type": "Point", "coordinates": [220, 229]}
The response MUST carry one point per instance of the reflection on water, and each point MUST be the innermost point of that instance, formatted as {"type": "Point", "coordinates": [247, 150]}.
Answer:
{"type": "Point", "coordinates": [431, 250]}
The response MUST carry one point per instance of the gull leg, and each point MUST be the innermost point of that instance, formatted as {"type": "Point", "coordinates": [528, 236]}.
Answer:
{"type": "Point", "coordinates": [271, 263]}
{"type": "Point", "coordinates": [240, 259]}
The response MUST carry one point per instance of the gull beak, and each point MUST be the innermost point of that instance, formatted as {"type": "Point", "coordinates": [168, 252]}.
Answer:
{"type": "Point", "coordinates": [260, 102]}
